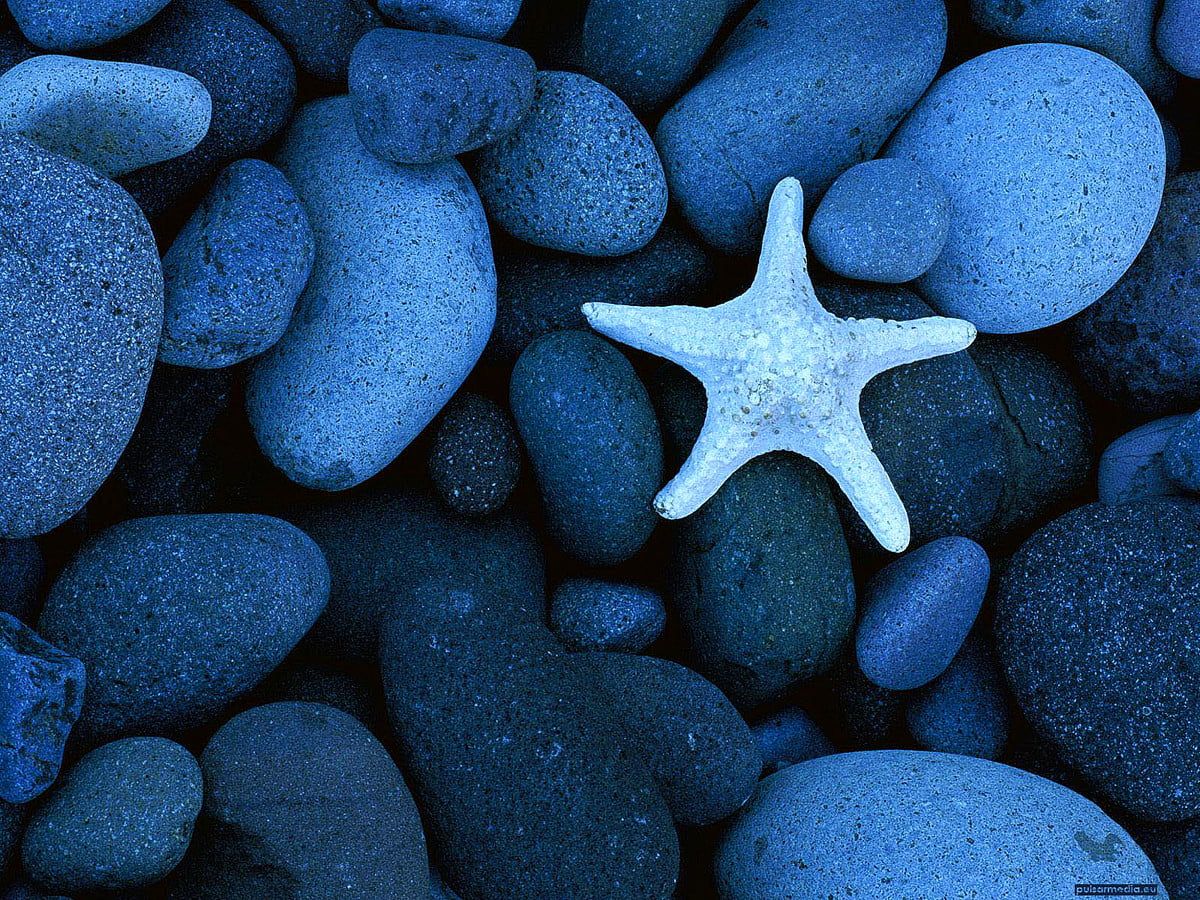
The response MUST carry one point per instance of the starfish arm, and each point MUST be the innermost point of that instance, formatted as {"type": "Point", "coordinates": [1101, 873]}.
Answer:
{"type": "Point", "coordinates": [886, 344]}
{"type": "Point", "coordinates": [716, 455]}
{"type": "Point", "coordinates": [782, 277]}
{"type": "Point", "coordinates": [846, 454]}
{"type": "Point", "coordinates": [672, 332]}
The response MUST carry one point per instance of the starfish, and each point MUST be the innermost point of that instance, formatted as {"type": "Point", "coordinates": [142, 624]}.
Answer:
{"type": "Point", "coordinates": [783, 373]}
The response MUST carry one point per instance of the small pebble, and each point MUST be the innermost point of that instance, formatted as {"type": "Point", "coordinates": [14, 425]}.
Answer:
{"type": "Point", "coordinates": [588, 614]}
{"type": "Point", "coordinates": [1181, 455]}
{"type": "Point", "coordinates": [321, 34]}
{"type": "Point", "coordinates": [1178, 36]}
{"type": "Point", "coordinates": [885, 220]}
{"type": "Point", "coordinates": [422, 98]}
{"type": "Point", "coordinates": [75, 25]}
{"type": "Point", "coordinates": [918, 611]}
{"type": "Point", "coordinates": [486, 19]}
{"type": "Point", "coordinates": [120, 818]}
{"type": "Point", "coordinates": [475, 460]}
{"type": "Point", "coordinates": [41, 695]}
{"type": "Point", "coordinates": [964, 711]}
{"type": "Point", "coordinates": [234, 272]}
{"type": "Point", "coordinates": [115, 117]}
{"type": "Point", "coordinates": [1132, 468]}
{"type": "Point", "coordinates": [789, 737]}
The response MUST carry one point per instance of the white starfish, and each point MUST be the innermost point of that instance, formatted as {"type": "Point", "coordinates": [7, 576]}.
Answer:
{"type": "Point", "coordinates": [783, 373]}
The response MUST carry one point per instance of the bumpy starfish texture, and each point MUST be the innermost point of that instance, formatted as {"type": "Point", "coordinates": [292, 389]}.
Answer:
{"type": "Point", "coordinates": [783, 373]}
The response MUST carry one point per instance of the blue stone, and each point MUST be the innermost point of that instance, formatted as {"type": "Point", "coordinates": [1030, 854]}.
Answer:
{"type": "Point", "coordinates": [788, 737]}
{"type": "Point", "coordinates": [486, 19]}
{"type": "Point", "coordinates": [805, 89]}
{"type": "Point", "coordinates": [964, 711]}
{"type": "Point", "coordinates": [593, 442]}
{"type": "Point", "coordinates": [918, 611]}
{"type": "Point", "coordinates": [22, 571]}
{"type": "Point", "coordinates": [905, 823]}
{"type": "Point", "coordinates": [398, 308]}
{"type": "Point", "coordinates": [541, 291]}
{"type": "Point", "coordinates": [310, 683]}
{"type": "Point", "coordinates": [176, 616]}
{"type": "Point", "coordinates": [321, 34]}
{"type": "Point", "coordinates": [1178, 36]}
{"type": "Point", "coordinates": [475, 460]}
{"type": "Point", "coordinates": [115, 117]}
{"type": "Point", "coordinates": [11, 822]}
{"type": "Point", "coordinates": [1181, 455]}
{"type": "Point", "coordinates": [884, 220]}
{"type": "Point", "coordinates": [245, 70]}
{"type": "Point", "coordinates": [1139, 346]}
{"type": "Point", "coordinates": [120, 818]}
{"type": "Point", "coordinates": [1119, 29]}
{"type": "Point", "coordinates": [579, 174]}
{"type": "Point", "coordinates": [233, 274]}
{"type": "Point", "coordinates": [588, 614]}
{"type": "Point", "coordinates": [80, 313]}
{"type": "Point", "coordinates": [523, 736]}
{"type": "Point", "coordinates": [698, 747]}
{"type": "Point", "coordinates": [41, 695]}
{"type": "Point", "coordinates": [870, 715]}
{"type": "Point", "coordinates": [1009, 135]}
{"type": "Point", "coordinates": [422, 98]}
{"type": "Point", "coordinates": [646, 50]}
{"type": "Point", "coordinates": [301, 800]}
{"type": "Point", "coordinates": [1096, 616]}
{"type": "Point", "coordinates": [1131, 468]}
{"type": "Point", "coordinates": [73, 25]}
{"type": "Point", "coordinates": [1175, 852]}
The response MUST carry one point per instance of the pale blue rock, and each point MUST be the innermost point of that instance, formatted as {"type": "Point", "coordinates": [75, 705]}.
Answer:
{"type": "Point", "coordinates": [579, 174]}
{"type": "Point", "coordinates": [805, 88]}
{"type": "Point", "coordinates": [918, 611]}
{"type": "Point", "coordinates": [1178, 36]}
{"type": "Point", "coordinates": [589, 614]}
{"type": "Point", "coordinates": [908, 824]}
{"type": "Point", "coordinates": [400, 303]}
{"type": "Point", "coordinates": [884, 220]}
{"type": "Point", "coordinates": [1131, 468]}
{"type": "Point", "coordinates": [487, 19]}
{"type": "Point", "coordinates": [115, 117]}
{"type": "Point", "coordinates": [1054, 161]}
{"type": "Point", "coordinates": [789, 737]}
{"type": "Point", "coordinates": [964, 711]}
{"type": "Point", "coordinates": [1122, 30]}
{"type": "Point", "coordinates": [75, 25]}
{"type": "Point", "coordinates": [232, 276]}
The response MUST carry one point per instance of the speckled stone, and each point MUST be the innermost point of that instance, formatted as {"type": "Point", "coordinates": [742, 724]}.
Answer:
{"type": "Point", "coordinates": [788, 737]}
{"type": "Point", "coordinates": [871, 716]}
{"type": "Point", "coordinates": [920, 825]}
{"type": "Point", "coordinates": [541, 291]}
{"type": "Point", "coordinates": [1118, 29]}
{"type": "Point", "coordinates": [936, 425]}
{"type": "Point", "coordinates": [74, 25]}
{"type": "Point", "coordinates": [422, 98]}
{"type": "Point", "coordinates": [23, 890]}
{"type": "Point", "coordinates": [698, 747]}
{"type": "Point", "coordinates": [589, 614]}
{"type": "Point", "coordinates": [121, 818]}
{"type": "Point", "coordinates": [320, 34]}
{"type": "Point", "coordinates": [398, 308]}
{"type": "Point", "coordinates": [1095, 616]}
{"type": "Point", "coordinates": [234, 272]}
{"type": "Point", "coordinates": [593, 442]}
{"type": "Point", "coordinates": [475, 460]}
{"type": "Point", "coordinates": [528, 787]}
{"type": "Point", "coordinates": [1175, 852]}
{"type": "Point", "coordinates": [1047, 433]}
{"type": "Point", "coordinates": [22, 571]}
{"type": "Point", "coordinates": [1139, 346]}
{"type": "Point", "coordinates": [378, 542]}
{"type": "Point", "coordinates": [310, 683]}
{"type": "Point", "coordinates": [918, 611]}
{"type": "Point", "coordinates": [1181, 455]}
{"type": "Point", "coordinates": [246, 71]}
{"type": "Point", "coordinates": [1131, 468]}
{"type": "Point", "coordinates": [80, 312]}
{"type": "Point", "coordinates": [964, 711]}
{"type": "Point", "coordinates": [579, 174]}
{"type": "Point", "coordinates": [175, 616]}
{"type": "Point", "coordinates": [647, 50]}
{"type": "Point", "coordinates": [300, 800]}
{"type": "Point", "coordinates": [806, 89]}
{"type": "Point", "coordinates": [885, 220]}
{"type": "Point", "coordinates": [487, 19]}
{"type": "Point", "coordinates": [1009, 134]}
{"type": "Point", "coordinates": [1178, 36]}
{"type": "Point", "coordinates": [112, 116]}
{"type": "Point", "coordinates": [41, 697]}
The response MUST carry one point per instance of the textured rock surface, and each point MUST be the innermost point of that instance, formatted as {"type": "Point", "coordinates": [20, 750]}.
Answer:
{"type": "Point", "coordinates": [587, 614]}
{"type": "Point", "coordinates": [1178, 38]}
{"type": "Point", "coordinates": [1131, 468]}
{"type": "Point", "coordinates": [321, 34]}
{"type": "Point", "coordinates": [79, 337]}
{"type": "Point", "coordinates": [489, 19]}
{"type": "Point", "coordinates": [965, 710]}
{"type": "Point", "coordinates": [1008, 135]}
{"type": "Point", "coordinates": [1181, 456]}
{"type": "Point", "coordinates": [788, 737]}
{"type": "Point", "coordinates": [55, 25]}
{"type": "Point", "coordinates": [475, 460]}
{"type": "Point", "coordinates": [22, 571]}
